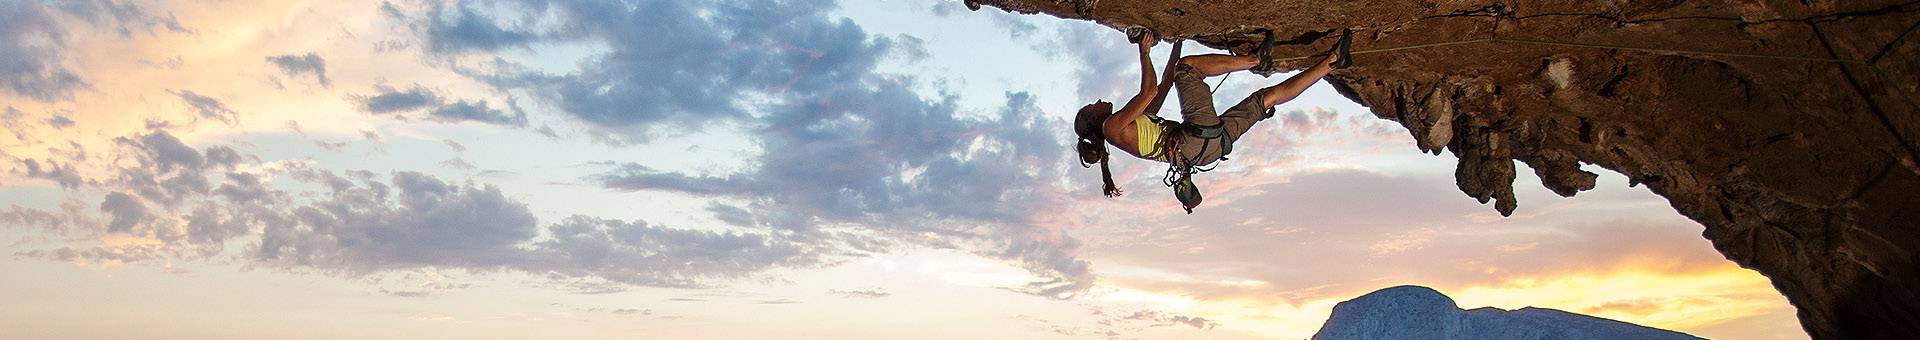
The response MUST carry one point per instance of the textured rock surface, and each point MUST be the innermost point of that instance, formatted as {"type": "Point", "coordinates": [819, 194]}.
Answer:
{"type": "Point", "coordinates": [1414, 312]}
{"type": "Point", "coordinates": [1800, 166]}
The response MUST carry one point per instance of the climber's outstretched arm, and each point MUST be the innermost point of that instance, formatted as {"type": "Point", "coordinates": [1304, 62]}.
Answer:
{"type": "Point", "coordinates": [1138, 105]}
{"type": "Point", "coordinates": [1166, 78]}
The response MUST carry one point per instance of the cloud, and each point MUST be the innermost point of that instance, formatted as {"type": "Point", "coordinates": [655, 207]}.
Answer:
{"type": "Point", "coordinates": [223, 156]}
{"type": "Point", "coordinates": [34, 44]}
{"type": "Point", "coordinates": [674, 65]}
{"type": "Point", "coordinates": [1105, 65]}
{"type": "Point", "coordinates": [916, 168]}
{"type": "Point", "coordinates": [206, 106]}
{"type": "Point", "coordinates": [412, 221]}
{"type": "Point", "coordinates": [308, 64]}
{"type": "Point", "coordinates": [903, 167]}
{"type": "Point", "coordinates": [391, 10]}
{"type": "Point", "coordinates": [124, 17]}
{"type": "Point", "coordinates": [861, 294]}
{"type": "Point", "coordinates": [942, 9]}
{"type": "Point", "coordinates": [462, 28]}
{"type": "Point", "coordinates": [34, 41]}
{"type": "Point", "coordinates": [94, 255]}
{"type": "Point", "coordinates": [388, 100]}
{"type": "Point", "coordinates": [545, 130]}
{"type": "Point", "coordinates": [15, 122]}
{"type": "Point", "coordinates": [1314, 225]}
{"type": "Point", "coordinates": [732, 215]}
{"type": "Point", "coordinates": [70, 217]}
{"type": "Point", "coordinates": [918, 159]}
{"type": "Point", "coordinates": [64, 174]}
{"type": "Point", "coordinates": [636, 252]}
{"type": "Point", "coordinates": [457, 163]}
{"type": "Point", "coordinates": [477, 111]}
{"type": "Point", "coordinates": [1399, 242]}
{"type": "Point", "coordinates": [125, 210]}
{"type": "Point", "coordinates": [60, 122]}
{"type": "Point", "coordinates": [845, 145]}
{"type": "Point", "coordinates": [635, 177]}
{"type": "Point", "coordinates": [1014, 23]}
{"type": "Point", "coordinates": [245, 188]}
{"type": "Point", "coordinates": [631, 311]}
{"type": "Point", "coordinates": [1169, 319]}
{"type": "Point", "coordinates": [178, 202]}
{"type": "Point", "coordinates": [410, 294]}
{"type": "Point", "coordinates": [1635, 307]}
{"type": "Point", "coordinates": [455, 146]}
{"type": "Point", "coordinates": [152, 175]}
{"type": "Point", "coordinates": [373, 138]}
{"type": "Point", "coordinates": [168, 171]}
{"type": "Point", "coordinates": [911, 49]}
{"type": "Point", "coordinates": [169, 153]}
{"type": "Point", "coordinates": [433, 285]}
{"type": "Point", "coordinates": [157, 190]}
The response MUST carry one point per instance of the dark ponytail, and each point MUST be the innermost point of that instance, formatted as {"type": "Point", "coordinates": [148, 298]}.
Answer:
{"type": "Point", "coordinates": [1089, 125]}
{"type": "Point", "coordinates": [1099, 147]}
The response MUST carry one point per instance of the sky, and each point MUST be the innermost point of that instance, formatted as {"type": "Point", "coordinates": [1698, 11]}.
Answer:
{"type": "Point", "coordinates": [730, 169]}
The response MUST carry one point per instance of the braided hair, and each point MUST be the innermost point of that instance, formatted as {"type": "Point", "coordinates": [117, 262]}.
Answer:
{"type": "Point", "coordinates": [1090, 124]}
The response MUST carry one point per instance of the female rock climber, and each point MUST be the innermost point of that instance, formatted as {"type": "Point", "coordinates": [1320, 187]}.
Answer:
{"type": "Point", "coordinates": [1205, 135]}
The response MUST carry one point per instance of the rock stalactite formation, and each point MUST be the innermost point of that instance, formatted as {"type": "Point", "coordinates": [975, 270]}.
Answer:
{"type": "Point", "coordinates": [1790, 129]}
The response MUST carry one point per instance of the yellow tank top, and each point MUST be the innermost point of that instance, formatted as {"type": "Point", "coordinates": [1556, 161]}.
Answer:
{"type": "Point", "coordinates": [1149, 137]}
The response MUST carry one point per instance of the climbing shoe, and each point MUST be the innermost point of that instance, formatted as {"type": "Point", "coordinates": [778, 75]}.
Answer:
{"type": "Point", "coordinates": [1266, 68]}
{"type": "Point", "coordinates": [1344, 49]}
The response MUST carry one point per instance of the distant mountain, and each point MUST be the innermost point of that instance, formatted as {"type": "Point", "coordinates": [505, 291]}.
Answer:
{"type": "Point", "coordinates": [1414, 312]}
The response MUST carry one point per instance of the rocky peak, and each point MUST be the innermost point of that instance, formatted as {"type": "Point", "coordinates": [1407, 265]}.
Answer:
{"type": "Point", "coordinates": [1415, 312]}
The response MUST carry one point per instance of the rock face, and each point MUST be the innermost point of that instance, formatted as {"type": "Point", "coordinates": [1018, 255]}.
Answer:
{"type": "Point", "coordinates": [1414, 312]}
{"type": "Point", "coordinates": [1789, 129]}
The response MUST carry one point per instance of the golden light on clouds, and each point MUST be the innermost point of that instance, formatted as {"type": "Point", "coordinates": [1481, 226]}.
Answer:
{"type": "Point", "coordinates": [1671, 300]}
{"type": "Point", "coordinates": [135, 80]}
{"type": "Point", "coordinates": [1268, 318]}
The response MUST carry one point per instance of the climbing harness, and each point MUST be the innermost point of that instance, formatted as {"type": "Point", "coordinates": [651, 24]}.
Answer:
{"type": "Point", "coordinates": [1181, 166]}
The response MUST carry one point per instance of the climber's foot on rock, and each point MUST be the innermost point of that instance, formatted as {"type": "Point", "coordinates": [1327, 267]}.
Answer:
{"type": "Point", "coordinates": [1265, 53]}
{"type": "Point", "coordinates": [1343, 50]}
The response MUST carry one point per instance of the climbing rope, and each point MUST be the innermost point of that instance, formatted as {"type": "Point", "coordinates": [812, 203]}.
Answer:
{"type": "Point", "coordinates": [1589, 45]}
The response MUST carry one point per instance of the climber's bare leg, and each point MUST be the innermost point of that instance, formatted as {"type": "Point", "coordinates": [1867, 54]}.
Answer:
{"type": "Point", "coordinates": [1292, 87]}
{"type": "Point", "coordinates": [1217, 64]}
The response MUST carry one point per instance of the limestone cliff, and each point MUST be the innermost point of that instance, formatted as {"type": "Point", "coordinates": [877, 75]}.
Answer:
{"type": "Point", "coordinates": [1789, 129]}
